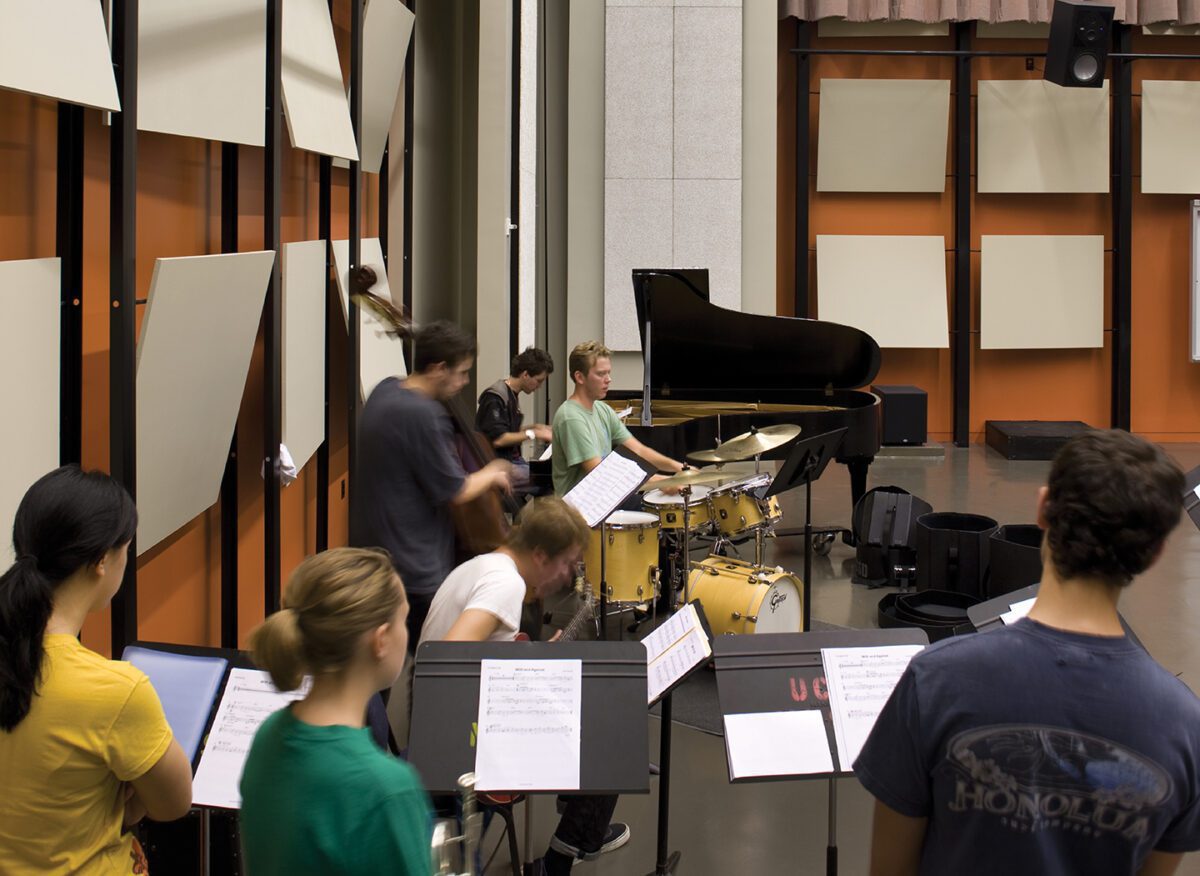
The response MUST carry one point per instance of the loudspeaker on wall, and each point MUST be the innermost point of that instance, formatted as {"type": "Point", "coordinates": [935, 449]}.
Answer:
{"type": "Point", "coordinates": [1078, 47]}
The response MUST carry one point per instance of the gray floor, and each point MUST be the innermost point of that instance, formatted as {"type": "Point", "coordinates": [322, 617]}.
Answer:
{"type": "Point", "coordinates": [782, 827]}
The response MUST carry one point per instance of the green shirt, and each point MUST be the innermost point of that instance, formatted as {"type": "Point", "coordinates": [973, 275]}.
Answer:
{"type": "Point", "coordinates": [326, 800]}
{"type": "Point", "coordinates": [580, 435]}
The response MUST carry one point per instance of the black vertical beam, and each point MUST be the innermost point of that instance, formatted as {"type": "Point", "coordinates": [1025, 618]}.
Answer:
{"type": "Point", "coordinates": [272, 310]}
{"type": "Point", "coordinates": [69, 247]}
{"type": "Point", "coordinates": [383, 204]}
{"type": "Point", "coordinates": [803, 87]}
{"type": "Point", "coordinates": [514, 177]}
{"type": "Point", "coordinates": [122, 284]}
{"type": "Point", "coordinates": [324, 232]}
{"type": "Point", "coordinates": [352, 399]}
{"type": "Point", "coordinates": [960, 352]}
{"type": "Point", "coordinates": [1122, 225]}
{"type": "Point", "coordinates": [229, 480]}
{"type": "Point", "coordinates": [409, 92]}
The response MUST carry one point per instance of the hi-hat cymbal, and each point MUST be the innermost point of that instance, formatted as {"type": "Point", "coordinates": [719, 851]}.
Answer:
{"type": "Point", "coordinates": [689, 477]}
{"type": "Point", "coordinates": [706, 457]}
{"type": "Point", "coordinates": [752, 444]}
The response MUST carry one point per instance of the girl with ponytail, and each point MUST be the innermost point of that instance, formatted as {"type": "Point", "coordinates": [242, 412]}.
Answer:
{"type": "Point", "coordinates": [318, 796]}
{"type": "Point", "coordinates": [84, 747]}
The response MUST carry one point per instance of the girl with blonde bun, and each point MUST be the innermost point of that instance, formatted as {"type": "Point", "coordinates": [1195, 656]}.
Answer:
{"type": "Point", "coordinates": [318, 796]}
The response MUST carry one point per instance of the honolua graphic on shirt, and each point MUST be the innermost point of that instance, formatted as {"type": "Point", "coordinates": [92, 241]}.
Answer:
{"type": "Point", "coordinates": [1035, 778]}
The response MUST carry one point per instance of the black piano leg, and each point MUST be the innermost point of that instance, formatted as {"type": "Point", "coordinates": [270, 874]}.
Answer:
{"type": "Point", "coordinates": [858, 487]}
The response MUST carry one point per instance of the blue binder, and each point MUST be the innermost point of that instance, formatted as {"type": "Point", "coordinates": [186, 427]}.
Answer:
{"type": "Point", "coordinates": [187, 686]}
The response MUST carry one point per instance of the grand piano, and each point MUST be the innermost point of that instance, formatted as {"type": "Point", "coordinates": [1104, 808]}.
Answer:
{"type": "Point", "coordinates": [713, 373]}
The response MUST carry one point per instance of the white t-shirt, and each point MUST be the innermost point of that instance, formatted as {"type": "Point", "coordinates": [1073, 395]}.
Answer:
{"type": "Point", "coordinates": [489, 582]}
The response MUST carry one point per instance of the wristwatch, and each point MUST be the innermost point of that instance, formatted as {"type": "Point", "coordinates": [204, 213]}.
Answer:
{"type": "Point", "coordinates": [529, 435]}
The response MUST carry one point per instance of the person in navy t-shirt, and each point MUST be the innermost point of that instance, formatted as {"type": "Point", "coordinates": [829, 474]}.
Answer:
{"type": "Point", "coordinates": [1056, 745]}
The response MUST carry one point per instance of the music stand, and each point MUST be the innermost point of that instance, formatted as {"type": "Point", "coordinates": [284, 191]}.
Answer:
{"type": "Point", "coordinates": [779, 672]}
{"type": "Point", "coordinates": [805, 463]}
{"type": "Point", "coordinates": [987, 615]}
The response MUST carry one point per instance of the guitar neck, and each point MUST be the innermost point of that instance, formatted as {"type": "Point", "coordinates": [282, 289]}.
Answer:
{"type": "Point", "coordinates": [575, 624]}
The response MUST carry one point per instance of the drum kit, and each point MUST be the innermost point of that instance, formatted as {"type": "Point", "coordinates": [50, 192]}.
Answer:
{"type": "Point", "coordinates": [703, 503]}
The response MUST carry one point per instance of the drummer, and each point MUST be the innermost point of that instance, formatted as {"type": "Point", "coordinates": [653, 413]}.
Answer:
{"type": "Point", "coordinates": [586, 430]}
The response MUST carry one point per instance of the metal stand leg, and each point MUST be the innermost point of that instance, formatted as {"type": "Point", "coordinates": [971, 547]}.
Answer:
{"type": "Point", "coordinates": [831, 852]}
{"type": "Point", "coordinates": [528, 839]}
{"type": "Point", "coordinates": [603, 582]}
{"type": "Point", "coordinates": [666, 861]}
{"type": "Point", "coordinates": [205, 843]}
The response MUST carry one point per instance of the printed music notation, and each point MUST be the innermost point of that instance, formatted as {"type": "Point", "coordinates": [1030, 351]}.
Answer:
{"type": "Point", "coordinates": [673, 649]}
{"type": "Point", "coordinates": [249, 699]}
{"type": "Point", "coordinates": [529, 725]}
{"type": "Point", "coordinates": [605, 487]}
{"type": "Point", "coordinates": [860, 680]}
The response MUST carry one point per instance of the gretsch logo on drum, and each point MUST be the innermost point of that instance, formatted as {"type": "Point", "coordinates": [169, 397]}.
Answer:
{"type": "Point", "coordinates": [778, 598]}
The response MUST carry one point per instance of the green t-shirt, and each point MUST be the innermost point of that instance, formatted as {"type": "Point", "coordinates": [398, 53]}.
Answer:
{"type": "Point", "coordinates": [326, 800]}
{"type": "Point", "coordinates": [580, 435]}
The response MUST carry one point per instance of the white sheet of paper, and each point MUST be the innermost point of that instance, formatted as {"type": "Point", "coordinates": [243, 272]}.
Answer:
{"type": "Point", "coordinates": [249, 699]}
{"type": "Point", "coordinates": [529, 725]}
{"type": "Point", "coordinates": [799, 746]}
{"type": "Point", "coordinates": [1018, 610]}
{"type": "Point", "coordinates": [673, 649]}
{"type": "Point", "coordinates": [547, 453]}
{"type": "Point", "coordinates": [605, 487]}
{"type": "Point", "coordinates": [860, 680]}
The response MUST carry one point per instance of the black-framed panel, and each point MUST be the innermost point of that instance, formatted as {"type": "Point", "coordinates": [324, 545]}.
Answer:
{"type": "Point", "coordinates": [272, 309]}
{"type": "Point", "coordinates": [229, 478]}
{"type": "Point", "coordinates": [69, 248]}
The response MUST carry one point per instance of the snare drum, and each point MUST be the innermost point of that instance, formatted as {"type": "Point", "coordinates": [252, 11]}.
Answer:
{"type": "Point", "coordinates": [630, 557]}
{"type": "Point", "coordinates": [741, 598]}
{"type": "Point", "coordinates": [669, 509]}
{"type": "Point", "coordinates": [735, 509]}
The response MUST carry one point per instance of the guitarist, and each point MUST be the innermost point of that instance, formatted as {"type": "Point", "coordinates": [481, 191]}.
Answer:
{"type": "Point", "coordinates": [481, 601]}
{"type": "Point", "coordinates": [409, 475]}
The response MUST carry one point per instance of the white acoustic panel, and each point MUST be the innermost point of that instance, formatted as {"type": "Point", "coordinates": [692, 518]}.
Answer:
{"type": "Point", "coordinates": [202, 69]}
{"type": "Point", "coordinates": [891, 287]}
{"type": "Point", "coordinates": [1035, 136]}
{"type": "Point", "coordinates": [708, 93]}
{"type": "Point", "coordinates": [303, 275]}
{"type": "Point", "coordinates": [1170, 137]}
{"type": "Point", "coordinates": [387, 31]}
{"type": "Point", "coordinates": [29, 372]}
{"type": "Point", "coordinates": [381, 353]}
{"type": "Point", "coordinates": [1041, 292]}
{"type": "Point", "coordinates": [193, 353]}
{"type": "Point", "coordinates": [638, 93]}
{"type": "Point", "coordinates": [318, 114]}
{"type": "Point", "coordinates": [637, 234]}
{"type": "Point", "coordinates": [883, 135]}
{"type": "Point", "coordinates": [58, 49]}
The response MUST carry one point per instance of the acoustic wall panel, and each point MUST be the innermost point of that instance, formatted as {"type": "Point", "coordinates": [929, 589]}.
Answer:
{"type": "Point", "coordinates": [387, 31]}
{"type": "Point", "coordinates": [891, 287]}
{"type": "Point", "coordinates": [318, 114]}
{"type": "Point", "coordinates": [1041, 292]}
{"type": "Point", "coordinates": [381, 354]}
{"type": "Point", "coordinates": [637, 234]}
{"type": "Point", "coordinates": [202, 69]}
{"type": "Point", "coordinates": [58, 49]}
{"type": "Point", "coordinates": [304, 311]}
{"type": "Point", "coordinates": [707, 71]}
{"type": "Point", "coordinates": [29, 374]}
{"type": "Point", "coordinates": [1035, 136]}
{"type": "Point", "coordinates": [193, 354]}
{"type": "Point", "coordinates": [638, 93]}
{"type": "Point", "coordinates": [1170, 137]}
{"type": "Point", "coordinates": [883, 135]}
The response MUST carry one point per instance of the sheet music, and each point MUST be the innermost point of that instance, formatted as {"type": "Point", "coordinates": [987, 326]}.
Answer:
{"type": "Point", "coordinates": [529, 725]}
{"type": "Point", "coordinates": [777, 744]}
{"type": "Point", "coordinates": [673, 649]}
{"type": "Point", "coordinates": [860, 680]}
{"type": "Point", "coordinates": [605, 487]}
{"type": "Point", "coordinates": [249, 699]}
{"type": "Point", "coordinates": [1018, 610]}
{"type": "Point", "coordinates": [547, 453]}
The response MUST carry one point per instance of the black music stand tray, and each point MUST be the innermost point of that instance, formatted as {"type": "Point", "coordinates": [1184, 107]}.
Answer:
{"type": "Point", "coordinates": [986, 615]}
{"type": "Point", "coordinates": [805, 463]}
{"type": "Point", "coordinates": [779, 672]}
{"type": "Point", "coordinates": [613, 728]}
{"type": "Point", "coordinates": [666, 860]}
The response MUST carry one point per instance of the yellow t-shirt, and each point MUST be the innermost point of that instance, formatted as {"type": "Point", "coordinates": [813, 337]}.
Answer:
{"type": "Point", "coordinates": [94, 723]}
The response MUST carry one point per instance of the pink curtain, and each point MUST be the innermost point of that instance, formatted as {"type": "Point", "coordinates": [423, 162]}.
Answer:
{"type": "Point", "coordinates": [1129, 11]}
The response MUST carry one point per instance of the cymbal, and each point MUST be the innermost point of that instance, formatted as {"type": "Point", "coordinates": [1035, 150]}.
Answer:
{"type": "Point", "coordinates": [752, 443]}
{"type": "Point", "coordinates": [689, 477]}
{"type": "Point", "coordinates": [706, 457]}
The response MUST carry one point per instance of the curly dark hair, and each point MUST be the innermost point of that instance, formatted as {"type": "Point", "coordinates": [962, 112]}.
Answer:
{"type": "Point", "coordinates": [1113, 499]}
{"type": "Point", "coordinates": [531, 361]}
{"type": "Point", "coordinates": [441, 341]}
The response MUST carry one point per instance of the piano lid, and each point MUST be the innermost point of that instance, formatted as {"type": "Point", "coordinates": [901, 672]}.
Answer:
{"type": "Point", "coordinates": [699, 350]}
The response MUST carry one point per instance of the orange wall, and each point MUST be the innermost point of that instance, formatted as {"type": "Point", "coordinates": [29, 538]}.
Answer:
{"type": "Point", "coordinates": [1013, 384]}
{"type": "Point", "coordinates": [178, 214]}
